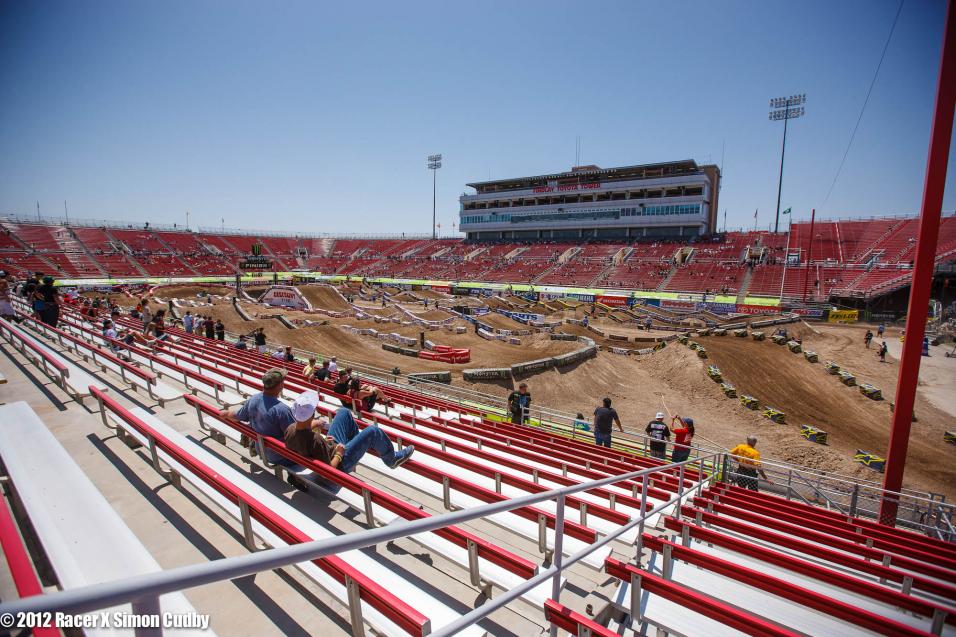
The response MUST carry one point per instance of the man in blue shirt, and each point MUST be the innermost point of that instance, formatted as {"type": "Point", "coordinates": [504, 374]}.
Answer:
{"type": "Point", "coordinates": [266, 413]}
{"type": "Point", "coordinates": [188, 322]}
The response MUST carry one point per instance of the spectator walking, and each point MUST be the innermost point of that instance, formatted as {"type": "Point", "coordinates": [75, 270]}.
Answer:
{"type": "Point", "coordinates": [868, 338]}
{"type": "Point", "coordinates": [683, 437]}
{"type": "Point", "coordinates": [188, 322]}
{"type": "Point", "coordinates": [519, 404]}
{"type": "Point", "coordinates": [748, 464]}
{"type": "Point", "coordinates": [220, 330]}
{"type": "Point", "coordinates": [6, 308]}
{"type": "Point", "coordinates": [659, 434]}
{"type": "Point", "coordinates": [49, 298]}
{"type": "Point", "coordinates": [925, 346]}
{"type": "Point", "coordinates": [209, 327]}
{"type": "Point", "coordinates": [604, 417]}
{"type": "Point", "coordinates": [259, 337]}
{"type": "Point", "coordinates": [880, 329]}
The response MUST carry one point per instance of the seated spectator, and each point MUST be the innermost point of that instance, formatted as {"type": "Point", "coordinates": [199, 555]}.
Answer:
{"type": "Point", "coordinates": [322, 373]}
{"type": "Point", "coordinates": [345, 444]}
{"type": "Point", "coordinates": [241, 342]}
{"type": "Point", "coordinates": [341, 385]}
{"type": "Point", "coordinates": [278, 355]}
{"type": "Point", "coordinates": [289, 356]}
{"type": "Point", "coordinates": [366, 395]}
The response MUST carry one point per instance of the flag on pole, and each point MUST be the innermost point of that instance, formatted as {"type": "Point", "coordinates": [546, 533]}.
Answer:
{"type": "Point", "coordinates": [786, 212]}
{"type": "Point", "coordinates": [755, 214]}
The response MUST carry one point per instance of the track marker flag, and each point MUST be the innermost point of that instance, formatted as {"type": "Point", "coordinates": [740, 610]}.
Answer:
{"type": "Point", "coordinates": [786, 212]}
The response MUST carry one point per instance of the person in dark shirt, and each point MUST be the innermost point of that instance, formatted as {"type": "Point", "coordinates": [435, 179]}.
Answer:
{"type": "Point", "coordinates": [50, 299]}
{"type": "Point", "coordinates": [366, 396]}
{"type": "Point", "coordinates": [341, 385]}
{"type": "Point", "coordinates": [519, 404]}
{"type": "Point", "coordinates": [345, 444]}
{"type": "Point", "coordinates": [209, 328]}
{"type": "Point", "coordinates": [322, 373]}
{"type": "Point", "coordinates": [659, 434]}
{"type": "Point", "coordinates": [604, 417]}
{"type": "Point", "coordinates": [289, 355]}
{"type": "Point", "coordinates": [220, 330]}
{"type": "Point", "coordinates": [259, 336]}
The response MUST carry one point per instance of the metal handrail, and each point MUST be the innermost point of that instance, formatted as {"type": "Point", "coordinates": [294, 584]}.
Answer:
{"type": "Point", "coordinates": [146, 588]}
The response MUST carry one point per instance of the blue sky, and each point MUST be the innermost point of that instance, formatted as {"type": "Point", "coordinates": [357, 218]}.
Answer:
{"type": "Point", "coordinates": [309, 116]}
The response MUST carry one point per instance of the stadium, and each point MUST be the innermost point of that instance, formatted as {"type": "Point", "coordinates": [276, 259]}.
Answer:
{"type": "Point", "coordinates": [190, 417]}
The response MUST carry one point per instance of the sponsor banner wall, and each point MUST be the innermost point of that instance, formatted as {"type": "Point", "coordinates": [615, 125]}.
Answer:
{"type": "Point", "coordinates": [843, 316]}
{"type": "Point", "coordinates": [671, 304]}
{"type": "Point", "coordinates": [613, 301]}
{"type": "Point", "coordinates": [718, 308]}
{"type": "Point", "coordinates": [811, 313]}
{"type": "Point", "coordinates": [746, 308]}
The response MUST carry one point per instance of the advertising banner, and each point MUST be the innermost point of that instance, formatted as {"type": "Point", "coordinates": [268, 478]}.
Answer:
{"type": "Point", "coordinates": [808, 312]}
{"type": "Point", "coordinates": [671, 304]}
{"type": "Point", "coordinates": [744, 308]}
{"type": "Point", "coordinates": [718, 308]}
{"type": "Point", "coordinates": [843, 316]}
{"type": "Point", "coordinates": [612, 301]}
{"type": "Point", "coordinates": [284, 297]}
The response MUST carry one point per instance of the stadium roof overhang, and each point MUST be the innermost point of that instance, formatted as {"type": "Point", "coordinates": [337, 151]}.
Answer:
{"type": "Point", "coordinates": [585, 174]}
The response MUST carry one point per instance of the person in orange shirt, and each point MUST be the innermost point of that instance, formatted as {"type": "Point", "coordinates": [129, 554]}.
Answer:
{"type": "Point", "coordinates": [748, 459]}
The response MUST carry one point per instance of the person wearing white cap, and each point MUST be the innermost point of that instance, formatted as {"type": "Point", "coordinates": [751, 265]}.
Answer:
{"type": "Point", "coordinates": [659, 433]}
{"type": "Point", "coordinates": [345, 445]}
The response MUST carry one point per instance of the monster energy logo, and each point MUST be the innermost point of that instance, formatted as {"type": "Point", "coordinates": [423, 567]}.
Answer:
{"type": "Point", "coordinates": [256, 249]}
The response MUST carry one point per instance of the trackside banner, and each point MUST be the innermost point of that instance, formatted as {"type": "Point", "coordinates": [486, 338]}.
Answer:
{"type": "Point", "coordinates": [843, 316]}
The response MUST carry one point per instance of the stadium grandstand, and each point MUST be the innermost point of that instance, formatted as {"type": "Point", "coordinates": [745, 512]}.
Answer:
{"type": "Point", "coordinates": [858, 259]}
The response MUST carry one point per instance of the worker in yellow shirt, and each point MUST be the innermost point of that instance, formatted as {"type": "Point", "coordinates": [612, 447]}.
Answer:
{"type": "Point", "coordinates": [748, 464]}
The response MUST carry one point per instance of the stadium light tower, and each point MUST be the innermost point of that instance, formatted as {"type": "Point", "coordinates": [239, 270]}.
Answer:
{"type": "Point", "coordinates": [786, 109]}
{"type": "Point", "coordinates": [434, 163]}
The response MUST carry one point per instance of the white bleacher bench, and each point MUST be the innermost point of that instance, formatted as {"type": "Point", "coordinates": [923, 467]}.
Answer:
{"type": "Point", "coordinates": [84, 539]}
{"type": "Point", "coordinates": [392, 581]}
{"type": "Point", "coordinates": [108, 361]}
{"type": "Point", "coordinates": [489, 572]}
{"type": "Point", "coordinates": [68, 375]}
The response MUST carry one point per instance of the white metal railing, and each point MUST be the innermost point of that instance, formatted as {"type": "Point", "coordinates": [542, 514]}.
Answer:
{"type": "Point", "coordinates": [143, 591]}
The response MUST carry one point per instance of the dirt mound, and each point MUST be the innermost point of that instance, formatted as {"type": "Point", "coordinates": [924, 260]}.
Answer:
{"type": "Point", "coordinates": [190, 291]}
{"type": "Point", "coordinates": [501, 322]}
{"type": "Point", "coordinates": [406, 297]}
{"type": "Point", "coordinates": [324, 297]}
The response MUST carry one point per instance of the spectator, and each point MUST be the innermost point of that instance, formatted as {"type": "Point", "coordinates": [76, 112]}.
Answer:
{"type": "Point", "coordinates": [198, 325]}
{"type": "Point", "coordinates": [322, 373]}
{"type": "Point", "coordinates": [367, 395]}
{"type": "Point", "coordinates": [157, 327]}
{"type": "Point", "coordinates": [345, 445]}
{"type": "Point", "coordinates": [241, 342]}
{"type": "Point", "coordinates": [603, 419]}
{"type": "Point", "coordinates": [333, 365]}
{"type": "Point", "coordinates": [341, 385]}
{"type": "Point", "coordinates": [519, 404]}
{"type": "Point", "coordinates": [49, 299]}
{"type": "Point", "coordinates": [580, 424]}
{"type": "Point", "coordinates": [868, 338]}
{"type": "Point", "coordinates": [29, 290]}
{"type": "Point", "coordinates": [265, 413]}
{"type": "Point", "coordinates": [278, 355]}
{"type": "Point", "coordinates": [289, 355]}
{"type": "Point", "coordinates": [309, 370]}
{"type": "Point", "coordinates": [925, 345]}
{"type": "Point", "coordinates": [880, 329]}
{"type": "Point", "coordinates": [748, 464]}
{"type": "Point", "coordinates": [6, 309]}
{"type": "Point", "coordinates": [659, 434]}
{"type": "Point", "coordinates": [259, 336]}
{"type": "Point", "coordinates": [220, 330]}
{"type": "Point", "coordinates": [683, 437]}
{"type": "Point", "coordinates": [146, 315]}
{"type": "Point", "coordinates": [188, 321]}
{"type": "Point", "coordinates": [209, 327]}
{"type": "Point", "coordinates": [882, 352]}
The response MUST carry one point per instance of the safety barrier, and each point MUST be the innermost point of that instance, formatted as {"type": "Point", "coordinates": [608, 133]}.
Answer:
{"type": "Point", "coordinates": [779, 339]}
{"type": "Point", "coordinates": [832, 368]}
{"type": "Point", "coordinates": [720, 331]}
{"type": "Point", "coordinates": [868, 390]}
{"type": "Point", "coordinates": [758, 336]}
{"type": "Point", "coordinates": [794, 347]}
{"type": "Point", "coordinates": [847, 378]}
{"type": "Point", "coordinates": [750, 402]}
{"type": "Point", "coordinates": [813, 434]}
{"type": "Point", "coordinates": [871, 460]}
{"type": "Point", "coordinates": [729, 390]}
{"type": "Point", "coordinates": [775, 415]}
{"type": "Point", "coordinates": [741, 333]}
{"type": "Point", "coordinates": [487, 373]}
{"type": "Point", "coordinates": [811, 356]}
{"type": "Point", "coordinates": [714, 373]}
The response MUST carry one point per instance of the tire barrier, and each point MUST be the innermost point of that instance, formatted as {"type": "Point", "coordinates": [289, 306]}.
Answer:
{"type": "Point", "coordinates": [950, 437]}
{"type": "Point", "coordinates": [750, 402]}
{"type": "Point", "coordinates": [871, 460]}
{"type": "Point", "coordinates": [832, 368]}
{"type": "Point", "coordinates": [701, 353]}
{"type": "Point", "coordinates": [560, 336]}
{"type": "Point", "coordinates": [740, 333]}
{"type": "Point", "coordinates": [660, 345]}
{"type": "Point", "coordinates": [398, 349]}
{"type": "Point", "coordinates": [720, 332]}
{"type": "Point", "coordinates": [435, 377]}
{"type": "Point", "coordinates": [714, 373]}
{"type": "Point", "coordinates": [813, 434]}
{"type": "Point", "coordinates": [758, 336]}
{"type": "Point", "coordinates": [775, 415]}
{"type": "Point", "coordinates": [794, 347]}
{"type": "Point", "coordinates": [532, 367]}
{"type": "Point", "coordinates": [778, 339]}
{"type": "Point", "coordinates": [729, 390]}
{"type": "Point", "coordinates": [683, 339]}
{"type": "Point", "coordinates": [704, 332]}
{"type": "Point", "coordinates": [847, 378]}
{"type": "Point", "coordinates": [811, 356]}
{"type": "Point", "coordinates": [871, 392]}
{"type": "Point", "coordinates": [487, 373]}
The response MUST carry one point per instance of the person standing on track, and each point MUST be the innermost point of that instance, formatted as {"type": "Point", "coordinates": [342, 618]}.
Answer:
{"type": "Point", "coordinates": [880, 329]}
{"type": "Point", "coordinates": [604, 417]}
{"type": "Point", "coordinates": [519, 404]}
{"type": "Point", "coordinates": [748, 464]}
{"type": "Point", "coordinates": [868, 338]}
{"type": "Point", "coordinates": [882, 352]}
{"type": "Point", "coordinates": [683, 436]}
{"type": "Point", "coordinates": [659, 434]}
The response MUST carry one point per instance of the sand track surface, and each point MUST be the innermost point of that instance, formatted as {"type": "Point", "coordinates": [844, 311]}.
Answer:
{"type": "Point", "coordinates": [324, 297]}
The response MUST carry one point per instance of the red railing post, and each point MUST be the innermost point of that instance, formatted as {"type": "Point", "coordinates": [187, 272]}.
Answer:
{"type": "Point", "coordinates": [935, 183]}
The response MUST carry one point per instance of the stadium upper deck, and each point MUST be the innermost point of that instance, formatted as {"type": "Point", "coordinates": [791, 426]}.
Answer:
{"type": "Point", "coordinates": [671, 199]}
{"type": "Point", "coordinates": [846, 259]}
